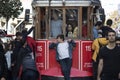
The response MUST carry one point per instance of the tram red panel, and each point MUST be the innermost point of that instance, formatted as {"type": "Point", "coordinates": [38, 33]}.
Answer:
{"type": "Point", "coordinates": [52, 59]}
{"type": "Point", "coordinates": [82, 53]}
{"type": "Point", "coordinates": [86, 56]}
{"type": "Point", "coordinates": [54, 63]}
{"type": "Point", "coordinates": [41, 54]}
{"type": "Point", "coordinates": [76, 56]}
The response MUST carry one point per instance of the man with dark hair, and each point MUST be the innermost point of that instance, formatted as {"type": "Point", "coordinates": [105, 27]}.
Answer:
{"type": "Point", "coordinates": [31, 42]}
{"type": "Point", "coordinates": [109, 22]}
{"type": "Point", "coordinates": [64, 54]}
{"type": "Point", "coordinates": [109, 58]}
{"type": "Point", "coordinates": [19, 51]}
{"type": "Point", "coordinates": [96, 28]}
{"type": "Point", "coordinates": [106, 28]}
{"type": "Point", "coordinates": [118, 41]}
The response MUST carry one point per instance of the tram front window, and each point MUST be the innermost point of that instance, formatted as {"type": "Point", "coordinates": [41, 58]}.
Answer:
{"type": "Point", "coordinates": [56, 23]}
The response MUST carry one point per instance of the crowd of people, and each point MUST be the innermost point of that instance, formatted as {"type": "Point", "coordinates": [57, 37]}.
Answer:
{"type": "Point", "coordinates": [106, 52]}
{"type": "Point", "coordinates": [17, 58]}
{"type": "Point", "coordinates": [106, 55]}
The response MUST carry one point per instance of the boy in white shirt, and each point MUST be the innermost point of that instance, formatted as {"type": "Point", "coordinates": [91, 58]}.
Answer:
{"type": "Point", "coordinates": [64, 54]}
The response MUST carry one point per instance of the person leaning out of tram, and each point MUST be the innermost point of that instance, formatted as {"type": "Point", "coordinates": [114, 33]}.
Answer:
{"type": "Point", "coordinates": [64, 50]}
{"type": "Point", "coordinates": [96, 45]}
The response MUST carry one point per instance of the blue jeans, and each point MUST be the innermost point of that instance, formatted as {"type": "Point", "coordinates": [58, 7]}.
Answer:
{"type": "Point", "coordinates": [66, 65]}
{"type": "Point", "coordinates": [29, 75]}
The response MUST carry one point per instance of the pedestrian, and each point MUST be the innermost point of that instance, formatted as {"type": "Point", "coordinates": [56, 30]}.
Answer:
{"type": "Point", "coordinates": [25, 64]}
{"type": "Point", "coordinates": [118, 41]}
{"type": "Point", "coordinates": [8, 56]}
{"type": "Point", "coordinates": [20, 38]}
{"type": "Point", "coordinates": [3, 64]}
{"type": "Point", "coordinates": [109, 58]}
{"type": "Point", "coordinates": [96, 45]}
{"type": "Point", "coordinates": [18, 44]}
{"type": "Point", "coordinates": [95, 29]}
{"type": "Point", "coordinates": [31, 42]}
{"type": "Point", "coordinates": [64, 54]}
{"type": "Point", "coordinates": [107, 28]}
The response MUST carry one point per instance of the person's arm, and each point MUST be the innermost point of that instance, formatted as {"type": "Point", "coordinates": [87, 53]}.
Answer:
{"type": "Point", "coordinates": [24, 36]}
{"type": "Point", "coordinates": [30, 30]}
{"type": "Point", "coordinates": [100, 67]}
{"type": "Point", "coordinates": [95, 33]}
{"type": "Point", "coordinates": [72, 42]}
{"type": "Point", "coordinates": [52, 45]}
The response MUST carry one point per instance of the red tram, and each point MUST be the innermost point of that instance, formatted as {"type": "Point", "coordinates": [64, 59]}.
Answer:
{"type": "Point", "coordinates": [81, 15]}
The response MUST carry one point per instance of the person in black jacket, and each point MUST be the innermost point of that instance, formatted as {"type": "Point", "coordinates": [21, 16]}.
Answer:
{"type": "Point", "coordinates": [18, 44]}
{"type": "Point", "coordinates": [3, 64]}
{"type": "Point", "coordinates": [25, 68]}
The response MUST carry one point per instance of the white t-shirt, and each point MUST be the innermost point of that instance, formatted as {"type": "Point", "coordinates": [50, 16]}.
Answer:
{"type": "Point", "coordinates": [63, 50]}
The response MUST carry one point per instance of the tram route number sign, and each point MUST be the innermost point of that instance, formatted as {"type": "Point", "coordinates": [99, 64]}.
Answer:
{"type": "Point", "coordinates": [40, 56]}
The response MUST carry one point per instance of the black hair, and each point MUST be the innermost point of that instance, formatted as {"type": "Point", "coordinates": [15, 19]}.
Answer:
{"type": "Point", "coordinates": [24, 32]}
{"type": "Point", "coordinates": [61, 36]}
{"type": "Point", "coordinates": [117, 38]}
{"type": "Point", "coordinates": [8, 45]}
{"type": "Point", "coordinates": [99, 23]}
{"type": "Point", "coordinates": [1, 48]}
{"type": "Point", "coordinates": [18, 34]}
{"type": "Point", "coordinates": [111, 31]}
{"type": "Point", "coordinates": [109, 22]}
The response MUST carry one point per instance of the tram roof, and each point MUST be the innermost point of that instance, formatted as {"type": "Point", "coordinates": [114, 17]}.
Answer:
{"type": "Point", "coordinates": [58, 3]}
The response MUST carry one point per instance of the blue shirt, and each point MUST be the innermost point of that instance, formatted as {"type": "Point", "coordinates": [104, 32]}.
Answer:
{"type": "Point", "coordinates": [95, 32]}
{"type": "Point", "coordinates": [56, 28]}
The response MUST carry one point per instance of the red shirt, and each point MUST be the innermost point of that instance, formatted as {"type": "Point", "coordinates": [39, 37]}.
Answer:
{"type": "Point", "coordinates": [31, 42]}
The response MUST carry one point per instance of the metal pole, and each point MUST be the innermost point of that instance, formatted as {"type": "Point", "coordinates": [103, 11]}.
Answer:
{"type": "Point", "coordinates": [49, 18]}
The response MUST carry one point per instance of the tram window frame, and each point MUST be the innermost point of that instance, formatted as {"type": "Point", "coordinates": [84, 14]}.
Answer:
{"type": "Point", "coordinates": [47, 18]}
{"type": "Point", "coordinates": [59, 22]}
{"type": "Point", "coordinates": [84, 23]}
{"type": "Point", "coordinates": [64, 20]}
{"type": "Point", "coordinates": [72, 21]}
